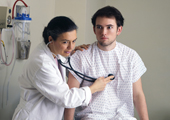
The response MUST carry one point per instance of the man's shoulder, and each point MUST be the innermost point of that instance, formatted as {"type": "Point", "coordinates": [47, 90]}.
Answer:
{"type": "Point", "coordinates": [89, 51]}
{"type": "Point", "coordinates": [125, 49]}
{"type": "Point", "coordinates": [126, 53]}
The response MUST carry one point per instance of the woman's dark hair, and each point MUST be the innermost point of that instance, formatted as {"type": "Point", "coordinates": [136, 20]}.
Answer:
{"type": "Point", "coordinates": [57, 26]}
{"type": "Point", "coordinates": [110, 12]}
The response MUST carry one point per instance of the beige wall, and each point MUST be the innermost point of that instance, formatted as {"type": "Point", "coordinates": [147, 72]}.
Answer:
{"type": "Point", "coordinates": [76, 10]}
{"type": "Point", "coordinates": [146, 30]}
{"type": "Point", "coordinates": [91, 7]}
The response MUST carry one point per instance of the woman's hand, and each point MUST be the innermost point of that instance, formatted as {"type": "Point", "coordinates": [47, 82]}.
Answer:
{"type": "Point", "coordinates": [80, 47]}
{"type": "Point", "coordinates": [100, 84]}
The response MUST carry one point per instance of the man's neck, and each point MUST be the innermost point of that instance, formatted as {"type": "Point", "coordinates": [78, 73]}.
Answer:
{"type": "Point", "coordinates": [108, 47]}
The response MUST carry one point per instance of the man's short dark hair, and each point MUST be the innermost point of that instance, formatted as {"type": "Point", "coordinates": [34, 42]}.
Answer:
{"type": "Point", "coordinates": [109, 12]}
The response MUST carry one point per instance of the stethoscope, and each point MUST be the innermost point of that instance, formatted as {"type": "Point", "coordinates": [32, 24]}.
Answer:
{"type": "Point", "coordinates": [82, 76]}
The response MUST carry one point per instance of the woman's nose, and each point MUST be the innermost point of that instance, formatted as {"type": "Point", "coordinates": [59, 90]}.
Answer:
{"type": "Point", "coordinates": [71, 46]}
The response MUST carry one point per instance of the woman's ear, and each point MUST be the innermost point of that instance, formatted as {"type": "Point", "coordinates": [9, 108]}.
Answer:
{"type": "Point", "coordinates": [50, 39]}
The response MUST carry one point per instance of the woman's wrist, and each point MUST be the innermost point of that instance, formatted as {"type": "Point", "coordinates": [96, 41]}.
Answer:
{"type": "Point", "coordinates": [93, 89]}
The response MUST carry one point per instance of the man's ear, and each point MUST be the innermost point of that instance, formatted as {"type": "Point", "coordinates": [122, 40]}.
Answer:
{"type": "Point", "coordinates": [94, 30]}
{"type": "Point", "coordinates": [119, 30]}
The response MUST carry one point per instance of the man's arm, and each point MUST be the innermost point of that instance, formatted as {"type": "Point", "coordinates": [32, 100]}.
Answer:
{"type": "Point", "coordinates": [69, 112]}
{"type": "Point", "coordinates": [139, 100]}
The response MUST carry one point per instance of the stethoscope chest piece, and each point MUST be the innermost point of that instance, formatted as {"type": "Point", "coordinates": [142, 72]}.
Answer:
{"type": "Point", "coordinates": [111, 75]}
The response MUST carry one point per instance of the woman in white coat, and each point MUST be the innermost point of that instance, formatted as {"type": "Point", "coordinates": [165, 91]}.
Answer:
{"type": "Point", "coordinates": [44, 91]}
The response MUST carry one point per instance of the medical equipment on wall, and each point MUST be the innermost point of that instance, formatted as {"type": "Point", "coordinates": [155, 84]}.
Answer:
{"type": "Point", "coordinates": [5, 17]}
{"type": "Point", "coordinates": [22, 31]}
{"type": "Point", "coordinates": [19, 26]}
{"type": "Point", "coordinates": [5, 25]}
{"type": "Point", "coordinates": [81, 75]}
{"type": "Point", "coordinates": [5, 35]}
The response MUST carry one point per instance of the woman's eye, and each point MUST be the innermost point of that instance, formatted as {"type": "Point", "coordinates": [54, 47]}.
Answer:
{"type": "Point", "coordinates": [99, 27]}
{"type": "Point", "coordinates": [65, 42]}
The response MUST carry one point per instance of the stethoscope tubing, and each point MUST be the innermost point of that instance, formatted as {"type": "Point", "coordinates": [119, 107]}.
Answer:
{"type": "Point", "coordinates": [76, 72]}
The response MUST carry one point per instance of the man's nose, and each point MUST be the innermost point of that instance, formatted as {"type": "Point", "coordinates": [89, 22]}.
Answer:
{"type": "Point", "coordinates": [104, 31]}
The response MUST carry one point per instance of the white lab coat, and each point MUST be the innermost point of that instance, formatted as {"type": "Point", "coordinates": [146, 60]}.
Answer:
{"type": "Point", "coordinates": [44, 91]}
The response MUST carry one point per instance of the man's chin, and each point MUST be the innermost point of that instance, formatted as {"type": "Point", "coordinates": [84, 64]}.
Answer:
{"type": "Point", "coordinates": [105, 43]}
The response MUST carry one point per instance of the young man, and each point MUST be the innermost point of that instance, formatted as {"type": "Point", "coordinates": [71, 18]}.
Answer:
{"type": "Point", "coordinates": [107, 56]}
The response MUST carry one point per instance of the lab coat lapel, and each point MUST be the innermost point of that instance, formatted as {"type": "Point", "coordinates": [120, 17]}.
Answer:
{"type": "Point", "coordinates": [62, 69]}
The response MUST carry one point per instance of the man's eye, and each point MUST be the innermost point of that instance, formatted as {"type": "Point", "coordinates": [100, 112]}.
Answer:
{"type": "Point", "coordinates": [109, 27]}
{"type": "Point", "coordinates": [74, 41]}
